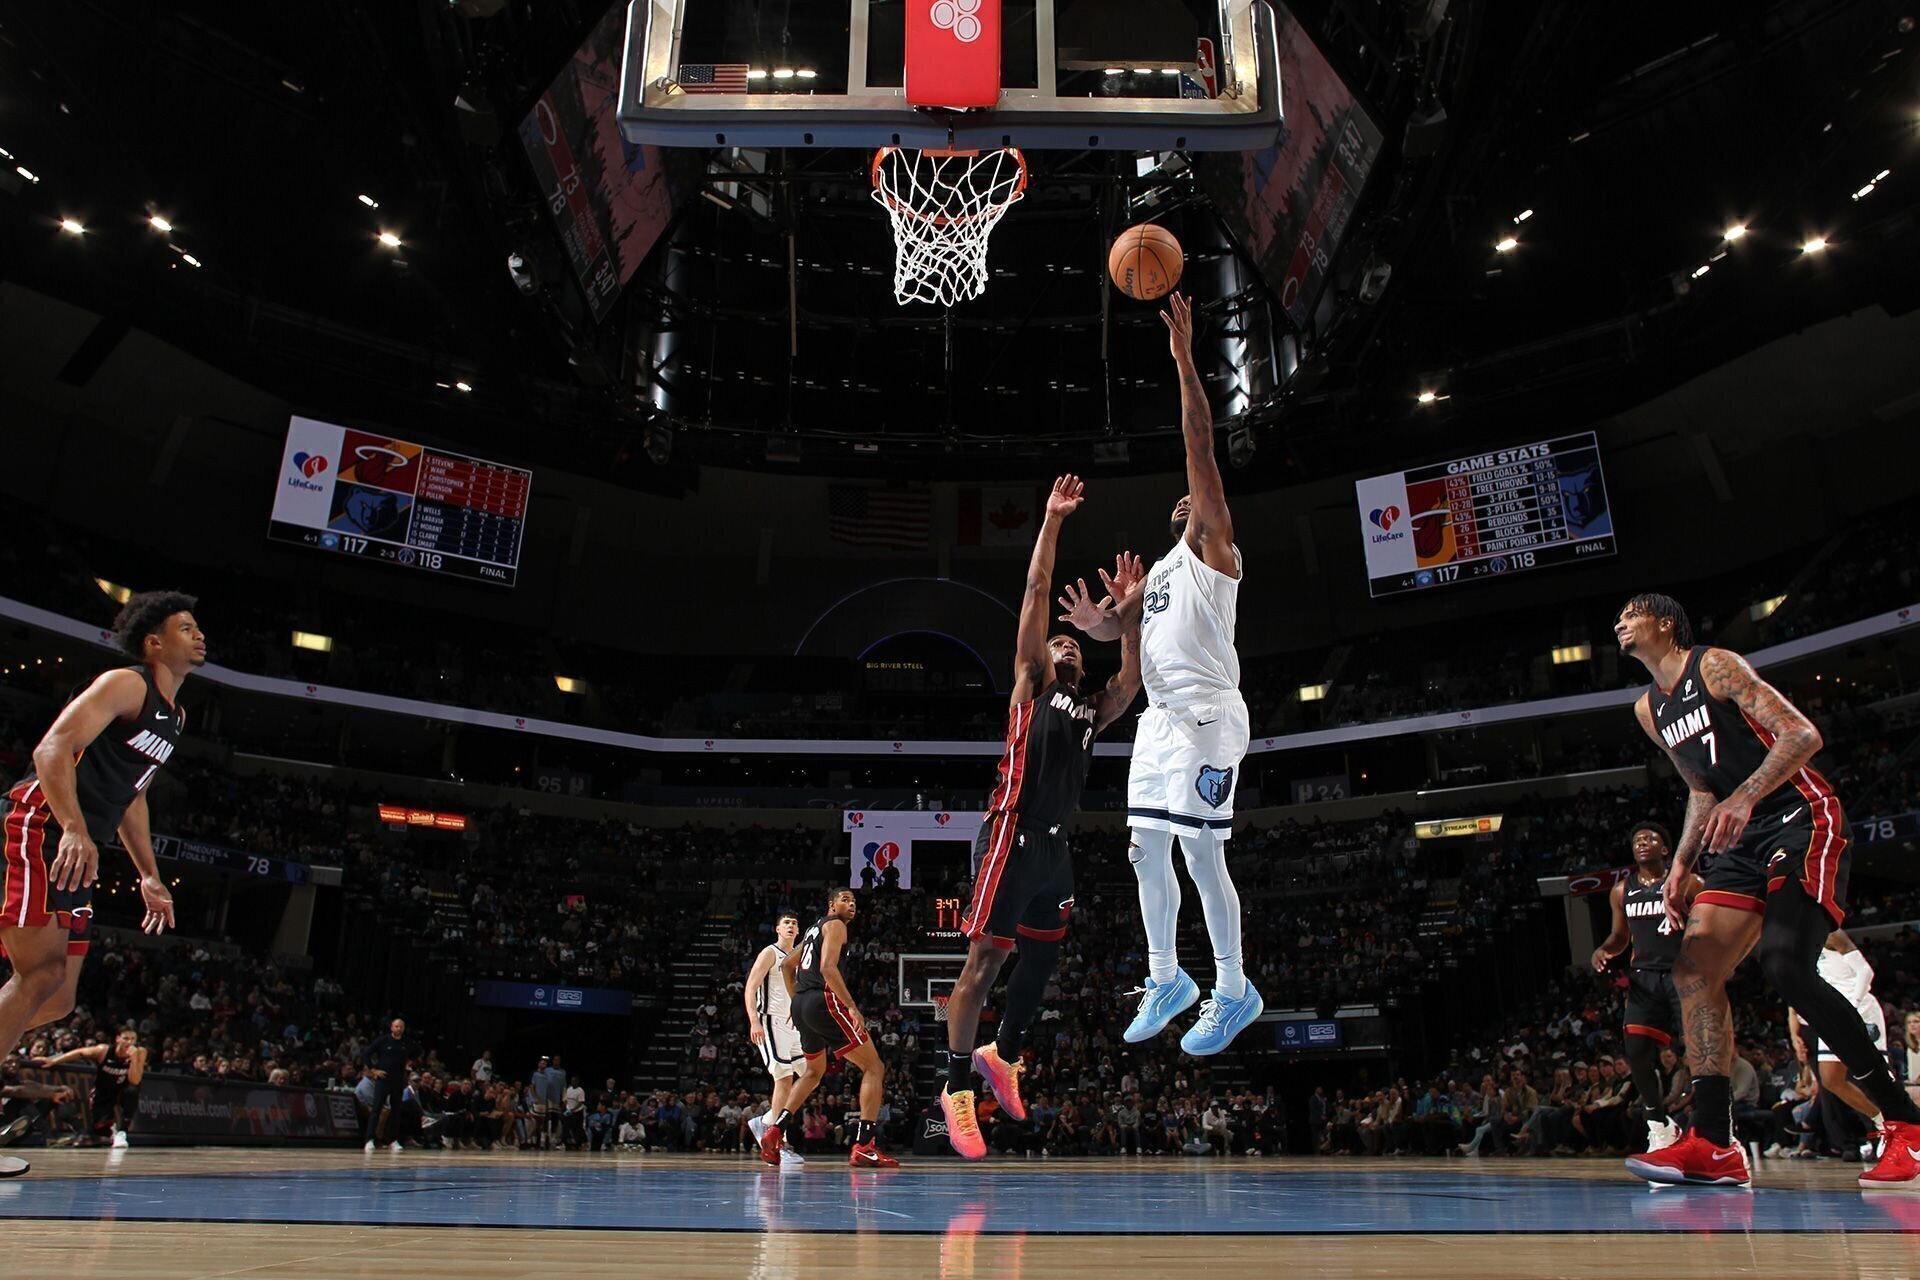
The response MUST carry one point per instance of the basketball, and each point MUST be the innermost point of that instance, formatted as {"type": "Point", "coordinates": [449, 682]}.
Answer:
{"type": "Point", "coordinates": [1145, 261]}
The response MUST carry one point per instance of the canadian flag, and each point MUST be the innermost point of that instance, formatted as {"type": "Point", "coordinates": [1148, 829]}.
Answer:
{"type": "Point", "coordinates": [998, 516]}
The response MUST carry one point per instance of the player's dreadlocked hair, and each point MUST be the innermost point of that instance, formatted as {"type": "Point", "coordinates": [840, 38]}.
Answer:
{"type": "Point", "coordinates": [1666, 609]}
{"type": "Point", "coordinates": [146, 613]}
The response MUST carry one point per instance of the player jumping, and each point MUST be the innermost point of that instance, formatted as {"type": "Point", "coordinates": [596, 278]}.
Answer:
{"type": "Point", "coordinates": [1776, 877]}
{"type": "Point", "coordinates": [1187, 751]}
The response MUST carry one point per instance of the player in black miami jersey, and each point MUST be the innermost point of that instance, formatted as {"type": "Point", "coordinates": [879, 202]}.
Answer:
{"type": "Point", "coordinates": [828, 1019]}
{"type": "Point", "coordinates": [1775, 840]}
{"type": "Point", "coordinates": [1640, 921]}
{"type": "Point", "coordinates": [88, 782]}
{"type": "Point", "coordinates": [118, 1067]}
{"type": "Point", "coordinates": [1022, 867]}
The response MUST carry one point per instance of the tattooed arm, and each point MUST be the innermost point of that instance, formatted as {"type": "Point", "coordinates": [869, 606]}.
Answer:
{"type": "Point", "coordinates": [1682, 883]}
{"type": "Point", "coordinates": [1730, 678]}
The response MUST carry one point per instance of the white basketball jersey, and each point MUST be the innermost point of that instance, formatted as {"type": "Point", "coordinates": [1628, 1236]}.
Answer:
{"type": "Point", "coordinates": [775, 1003]}
{"type": "Point", "coordinates": [1186, 628]}
{"type": "Point", "coordinates": [1849, 974]}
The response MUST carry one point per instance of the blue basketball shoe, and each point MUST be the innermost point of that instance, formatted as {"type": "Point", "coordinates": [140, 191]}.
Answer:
{"type": "Point", "coordinates": [1159, 1003]}
{"type": "Point", "coordinates": [1221, 1020]}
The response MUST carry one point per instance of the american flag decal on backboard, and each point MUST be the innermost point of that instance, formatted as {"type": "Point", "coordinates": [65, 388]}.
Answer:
{"type": "Point", "coordinates": [712, 77]}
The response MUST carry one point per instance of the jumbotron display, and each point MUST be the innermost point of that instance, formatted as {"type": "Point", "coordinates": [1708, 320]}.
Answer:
{"type": "Point", "coordinates": [1505, 511]}
{"type": "Point", "coordinates": [360, 494]}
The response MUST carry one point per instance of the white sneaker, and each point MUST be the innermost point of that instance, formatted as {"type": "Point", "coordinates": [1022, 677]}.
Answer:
{"type": "Point", "coordinates": [1661, 1134]}
{"type": "Point", "coordinates": [369, 1148]}
{"type": "Point", "coordinates": [395, 1148]}
{"type": "Point", "coordinates": [791, 1159]}
{"type": "Point", "coordinates": [757, 1126]}
{"type": "Point", "coordinates": [120, 1139]}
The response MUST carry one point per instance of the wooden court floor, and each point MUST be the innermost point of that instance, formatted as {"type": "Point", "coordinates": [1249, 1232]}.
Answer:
{"type": "Point", "coordinates": [161, 1214]}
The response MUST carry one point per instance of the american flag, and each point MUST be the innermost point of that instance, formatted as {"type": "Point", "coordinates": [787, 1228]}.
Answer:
{"type": "Point", "coordinates": [896, 519]}
{"type": "Point", "coordinates": [712, 77]}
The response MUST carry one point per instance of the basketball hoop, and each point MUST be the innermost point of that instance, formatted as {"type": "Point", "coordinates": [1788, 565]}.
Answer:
{"type": "Point", "coordinates": [940, 1008]}
{"type": "Point", "coordinates": [944, 205]}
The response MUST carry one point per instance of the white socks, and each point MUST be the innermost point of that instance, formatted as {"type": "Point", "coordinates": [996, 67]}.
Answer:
{"type": "Point", "coordinates": [1206, 855]}
{"type": "Point", "coordinates": [1151, 854]}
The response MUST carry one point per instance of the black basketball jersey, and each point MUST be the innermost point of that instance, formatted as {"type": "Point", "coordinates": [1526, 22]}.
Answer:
{"type": "Point", "coordinates": [116, 768]}
{"type": "Point", "coordinates": [807, 975]}
{"type": "Point", "coordinates": [111, 1077]}
{"type": "Point", "coordinates": [1044, 768]}
{"type": "Point", "coordinates": [1655, 942]}
{"type": "Point", "coordinates": [1716, 740]}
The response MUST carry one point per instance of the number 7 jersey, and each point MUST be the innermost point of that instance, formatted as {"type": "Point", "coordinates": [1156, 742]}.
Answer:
{"type": "Point", "coordinates": [1716, 740]}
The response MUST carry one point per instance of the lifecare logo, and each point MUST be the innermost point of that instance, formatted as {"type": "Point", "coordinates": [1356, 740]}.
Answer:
{"type": "Point", "coordinates": [1384, 517]}
{"type": "Point", "coordinates": [308, 465]}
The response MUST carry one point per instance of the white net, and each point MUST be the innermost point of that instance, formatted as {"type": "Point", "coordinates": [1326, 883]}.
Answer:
{"type": "Point", "coordinates": [944, 205]}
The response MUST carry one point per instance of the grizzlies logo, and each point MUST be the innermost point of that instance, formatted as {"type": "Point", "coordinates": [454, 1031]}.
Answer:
{"type": "Point", "coordinates": [1214, 785]}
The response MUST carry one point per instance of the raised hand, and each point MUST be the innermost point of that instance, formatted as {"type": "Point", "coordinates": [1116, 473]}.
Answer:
{"type": "Point", "coordinates": [1081, 609]}
{"type": "Point", "coordinates": [1129, 572]}
{"type": "Point", "coordinates": [1178, 318]}
{"type": "Point", "coordinates": [1068, 493]}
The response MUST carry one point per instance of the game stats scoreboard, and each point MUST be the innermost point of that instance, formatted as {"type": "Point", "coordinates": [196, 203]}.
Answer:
{"type": "Point", "coordinates": [1501, 512]}
{"type": "Point", "coordinates": [358, 494]}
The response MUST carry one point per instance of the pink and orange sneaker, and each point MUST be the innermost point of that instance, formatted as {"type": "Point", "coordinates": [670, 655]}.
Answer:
{"type": "Point", "coordinates": [1899, 1164]}
{"type": "Point", "coordinates": [1694, 1161]}
{"type": "Point", "coordinates": [1003, 1078]}
{"type": "Point", "coordinates": [963, 1127]}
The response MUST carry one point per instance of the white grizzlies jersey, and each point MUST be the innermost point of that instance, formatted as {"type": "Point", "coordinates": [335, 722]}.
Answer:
{"type": "Point", "coordinates": [1186, 628]}
{"type": "Point", "coordinates": [773, 1000]}
{"type": "Point", "coordinates": [1848, 973]}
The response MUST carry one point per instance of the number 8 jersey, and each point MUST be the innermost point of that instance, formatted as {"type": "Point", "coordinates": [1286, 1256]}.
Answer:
{"type": "Point", "coordinates": [1716, 740]}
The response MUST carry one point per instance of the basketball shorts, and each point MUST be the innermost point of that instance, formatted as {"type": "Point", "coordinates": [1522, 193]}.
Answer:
{"type": "Point", "coordinates": [28, 899]}
{"type": "Point", "coordinates": [1186, 766]}
{"type": "Point", "coordinates": [1870, 1013]}
{"type": "Point", "coordinates": [1022, 883]}
{"type": "Point", "coordinates": [780, 1051]}
{"type": "Point", "coordinates": [824, 1023]}
{"type": "Point", "coordinates": [1808, 843]}
{"type": "Point", "coordinates": [1653, 1008]}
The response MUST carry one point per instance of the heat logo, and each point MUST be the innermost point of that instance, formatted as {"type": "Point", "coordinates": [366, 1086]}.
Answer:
{"type": "Point", "coordinates": [1384, 517]}
{"type": "Point", "coordinates": [959, 17]}
{"type": "Point", "coordinates": [308, 465]}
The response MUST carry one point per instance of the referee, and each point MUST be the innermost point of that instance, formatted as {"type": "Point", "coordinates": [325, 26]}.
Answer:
{"type": "Point", "coordinates": [386, 1062]}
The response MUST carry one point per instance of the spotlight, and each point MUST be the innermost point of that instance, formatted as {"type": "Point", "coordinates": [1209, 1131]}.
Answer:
{"type": "Point", "coordinates": [1169, 71]}
{"type": "Point", "coordinates": [806, 73]}
{"type": "Point", "coordinates": [1507, 245]}
{"type": "Point", "coordinates": [389, 239]}
{"type": "Point", "coordinates": [758, 73]}
{"type": "Point", "coordinates": [1115, 71]}
{"type": "Point", "coordinates": [189, 259]}
{"type": "Point", "coordinates": [1883, 175]}
{"type": "Point", "coordinates": [1734, 232]}
{"type": "Point", "coordinates": [1814, 245]}
{"type": "Point", "coordinates": [159, 223]}
{"type": "Point", "coordinates": [27, 173]}
{"type": "Point", "coordinates": [1427, 397]}
{"type": "Point", "coordinates": [71, 227]}
{"type": "Point", "coordinates": [1522, 216]}
{"type": "Point", "coordinates": [367, 200]}
{"type": "Point", "coordinates": [783, 73]}
{"type": "Point", "coordinates": [522, 272]}
{"type": "Point", "coordinates": [1700, 270]}
{"type": "Point", "coordinates": [463, 385]}
{"type": "Point", "coordinates": [1143, 71]}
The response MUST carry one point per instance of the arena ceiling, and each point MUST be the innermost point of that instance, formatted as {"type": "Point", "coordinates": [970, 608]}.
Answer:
{"type": "Point", "coordinates": [1635, 134]}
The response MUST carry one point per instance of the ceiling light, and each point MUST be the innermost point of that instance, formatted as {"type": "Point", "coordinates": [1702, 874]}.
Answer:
{"type": "Point", "coordinates": [1522, 216]}
{"type": "Point", "coordinates": [463, 386]}
{"type": "Point", "coordinates": [1313, 692]}
{"type": "Point", "coordinates": [1814, 245]}
{"type": "Point", "coordinates": [1734, 232]}
{"type": "Point", "coordinates": [758, 73]}
{"type": "Point", "coordinates": [806, 73]}
{"type": "Point", "coordinates": [115, 592]}
{"type": "Point", "coordinates": [1115, 71]}
{"type": "Point", "coordinates": [159, 223]}
{"type": "Point", "coordinates": [27, 173]}
{"type": "Point", "coordinates": [1143, 71]}
{"type": "Point", "coordinates": [1427, 397]}
{"type": "Point", "coordinates": [5, 154]}
{"type": "Point", "coordinates": [189, 259]}
{"type": "Point", "coordinates": [783, 73]}
{"type": "Point", "coordinates": [313, 640]}
{"type": "Point", "coordinates": [1701, 270]}
{"type": "Point", "coordinates": [1507, 245]}
{"type": "Point", "coordinates": [569, 684]}
{"type": "Point", "coordinates": [1169, 71]}
{"type": "Point", "coordinates": [1882, 175]}
{"type": "Point", "coordinates": [1564, 655]}
{"type": "Point", "coordinates": [367, 200]}
{"type": "Point", "coordinates": [71, 227]}
{"type": "Point", "coordinates": [1761, 610]}
{"type": "Point", "coordinates": [389, 239]}
{"type": "Point", "coordinates": [1864, 192]}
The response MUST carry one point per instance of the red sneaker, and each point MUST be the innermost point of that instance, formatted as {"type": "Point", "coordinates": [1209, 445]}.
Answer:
{"type": "Point", "coordinates": [1694, 1161]}
{"type": "Point", "coordinates": [770, 1143]}
{"type": "Point", "coordinates": [1899, 1164]}
{"type": "Point", "coordinates": [1003, 1078]}
{"type": "Point", "coordinates": [867, 1156]}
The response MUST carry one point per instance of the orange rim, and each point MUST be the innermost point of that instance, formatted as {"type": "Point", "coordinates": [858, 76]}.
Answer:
{"type": "Point", "coordinates": [942, 220]}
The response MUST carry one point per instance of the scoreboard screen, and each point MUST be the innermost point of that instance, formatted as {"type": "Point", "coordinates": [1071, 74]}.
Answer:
{"type": "Point", "coordinates": [359, 494]}
{"type": "Point", "coordinates": [1502, 512]}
